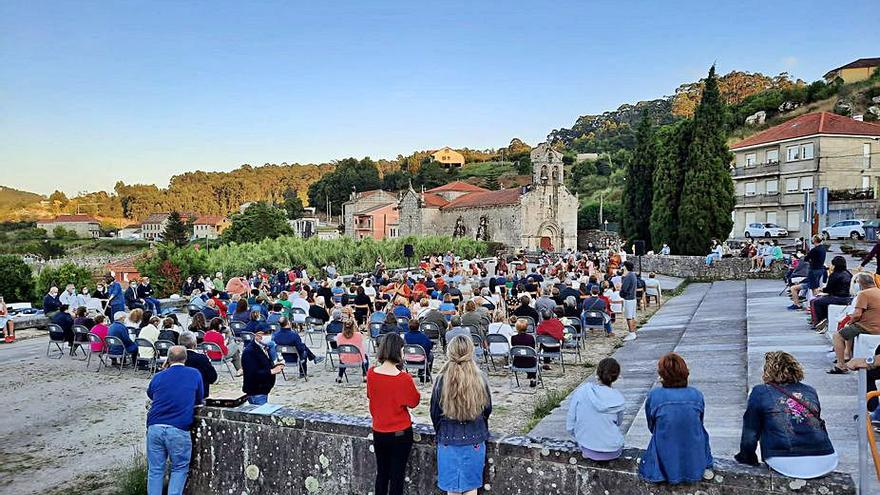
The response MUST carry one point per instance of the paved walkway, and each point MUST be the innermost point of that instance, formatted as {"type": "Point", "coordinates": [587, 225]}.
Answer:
{"type": "Point", "coordinates": [723, 330]}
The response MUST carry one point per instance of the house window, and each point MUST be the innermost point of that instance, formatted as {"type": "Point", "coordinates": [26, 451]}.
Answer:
{"type": "Point", "coordinates": [866, 182]}
{"type": "Point", "coordinates": [772, 186]}
{"type": "Point", "coordinates": [792, 153]}
{"type": "Point", "coordinates": [771, 217]}
{"type": "Point", "coordinates": [791, 185]}
{"type": "Point", "coordinates": [807, 151]}
{"type": "Point", "coordinates": [807, 183]}
{"type": "Point", "coordinates": [772, 156]}
{"type": "Point", "coordinates": [793, 220]}
{"type": "Point", "coordinates": [866, 155]}
{"type": "Point", "coordinates": [750, 188]}
{"type": "Point", "coordinates": [750, 218]}
{"type": "Point", "coordinates": [751, 159]}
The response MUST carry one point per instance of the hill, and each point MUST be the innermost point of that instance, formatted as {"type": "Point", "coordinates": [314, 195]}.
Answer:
{"type": "Point", "coordinates": [14, 198]}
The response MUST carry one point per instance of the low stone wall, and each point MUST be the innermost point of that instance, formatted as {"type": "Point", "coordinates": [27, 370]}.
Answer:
{"type": "Point", "coordinates": [297, 452]}
{"type": "Point", "coordinates": [40, 321]}
{"type": "Point", "coordinates": [694, 268]}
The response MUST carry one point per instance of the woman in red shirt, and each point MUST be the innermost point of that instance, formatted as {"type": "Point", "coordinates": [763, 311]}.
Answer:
{"type": "Point", "coordinates": [551, 325]}
{"type": "Point", "coordinates": [391, 393]}
{"type": "Point", "coordinates": [230, 348]}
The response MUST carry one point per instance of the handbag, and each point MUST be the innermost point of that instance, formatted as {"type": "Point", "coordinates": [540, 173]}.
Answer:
{"type": "Point", "coordinates": [806, 405]}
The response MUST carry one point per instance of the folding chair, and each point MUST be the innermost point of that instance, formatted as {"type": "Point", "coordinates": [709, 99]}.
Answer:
{"type": "Point", "coordinates": [530, 329]}
{"type": "Point", "coordinates": [375, 333]}
{"type": "Point", "coordinates": [595, 320]}
{"type": "Point", "coordinates": [246, 337]}
{"type": "Point", "coordinates": [313, 326]}
{"type": "Point", "coordinates": [96, 339]}
{"type": "Point", "coordinates": [237, 327]}
{"type": "Point", "coordinates": [520, 351]}
{"type": "Point", "coordinates": [111, 342]}
{"type": "Point", "coordinates": [574, 342]}
{"type": "Point", "coordinates": [192, 309]}
{"type": "Point", "coordinates": [80, 342]}
{"type": "Point", "coordinates": [431, 330]}
{"type": "Point", "coordinates": [415, 358]}
{"type": "Point", "coordinates": [300, 359]}
{"type": "Point", "coordinates": [332, 350]}
{"type": "Point", "coordinates": [403, 324]}
{"type": "Point", "coordinates": [542, 342]}
{"type": "Point", "coordinates": [349, 350]}
{"type": "Point", "coordinates": [151, 361]}
{"type": "Point", "coordinates": [200, 336]}
{"type": "Point", "coordinates": [297, 322]}
{"type": "Point", "coordinates": [274, 327]}
{"type": "Point", "coordinates": [56, 338]}
{"type": "Point", "coordinates": [211, 347]}
{"type": "Point", "coordinates": [479, 348]}
{"type": "Point", "coordinates": [162, 347]}
{"type": "Point", "coordinates": [500, 341]}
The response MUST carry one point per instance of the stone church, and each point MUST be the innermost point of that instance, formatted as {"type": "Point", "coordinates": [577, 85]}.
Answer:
{"type": "Point", "coordinates": [542, 215]}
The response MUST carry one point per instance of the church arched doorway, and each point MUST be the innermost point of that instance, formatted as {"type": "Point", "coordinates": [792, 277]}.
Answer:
{"type": "Point", "coordinates": [546, 243]}
{"type": "Point", "coordinates": [549, 238]}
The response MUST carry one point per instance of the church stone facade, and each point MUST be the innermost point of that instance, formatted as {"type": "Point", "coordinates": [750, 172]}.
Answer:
{"type": "Point", "coordinates": [542, 215]}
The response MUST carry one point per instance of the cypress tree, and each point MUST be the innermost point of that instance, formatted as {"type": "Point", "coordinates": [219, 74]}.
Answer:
{"type": "Point", "coordinates": [638, 191]}
{"type": "Point", "coordinates": [707, 198]}
{"type": "Point", "coordinates": [177, 232]}
{"type": "Point", "coordinates": [672, 148]}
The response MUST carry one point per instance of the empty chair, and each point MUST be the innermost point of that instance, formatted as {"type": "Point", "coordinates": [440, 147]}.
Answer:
{"type": "Point", "coordinates": [56, 338]}
{"type": "Point", "coordinates": [80, 342]}
{"type": "Point", "coordinates": [479, 348]}
{"type": "Point", "coordinates": [403, 324]}
{"type": "Point", "coordinates": [111, 342]}
{"type": "Point", "coordinates": [518, 354]}
{"type": "Point", "coordinates": [356, 359]}
{"type": "Point", "coordinates": [237, 327]}
{"type": "Point", "coordinates": [415, 358]}
{"type": "Point", "coordinates": [431, 330]}
{"type": "Point", "coordinates": [375, 332]}
{"type": "Point", "coordinates": [573, 342]}
{"type": "Point", "coordinates": [300, 359]}
{"type": "Point", "coordinates": [213, 348]}
{"type": "Point", "coordinates": [150, 361]}
{"type": "Point", "coordinates": [549, 348]}
{"type": "Point", "coordinates": [313, 326]}
{"type": "Point", "coordinates": [498, 346]}
{"type": "Point", "coordinates": [332, 350]}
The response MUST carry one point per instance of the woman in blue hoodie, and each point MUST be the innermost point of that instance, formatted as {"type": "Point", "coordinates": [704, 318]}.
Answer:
{"type": "Point", "coordinates": [595, 414]}
{"type": "Point", "coordinates": [679, 448]}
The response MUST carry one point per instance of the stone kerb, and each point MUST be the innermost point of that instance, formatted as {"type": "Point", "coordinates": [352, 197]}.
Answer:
{"type": "Point", "coordinates": [694, 268]}
{"type": "Point", "coordinates": [301, 452]}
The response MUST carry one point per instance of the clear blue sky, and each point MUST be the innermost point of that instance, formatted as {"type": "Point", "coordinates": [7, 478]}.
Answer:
{"type": "Point", "coordinates": [95, 92]}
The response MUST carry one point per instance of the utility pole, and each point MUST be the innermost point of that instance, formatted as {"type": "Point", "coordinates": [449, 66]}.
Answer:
{"type": "Point", "coordinates": [601, 207]}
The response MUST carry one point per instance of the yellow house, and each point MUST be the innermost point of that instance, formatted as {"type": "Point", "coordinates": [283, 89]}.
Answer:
{"type": "Point", "coordinates": [448, 157]}
{"type": "Point", "coordinates": [856, 71]}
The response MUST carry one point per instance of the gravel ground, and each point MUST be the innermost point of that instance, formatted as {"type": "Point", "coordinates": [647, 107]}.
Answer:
{"type": "Point", "coordinates": [69, 429]}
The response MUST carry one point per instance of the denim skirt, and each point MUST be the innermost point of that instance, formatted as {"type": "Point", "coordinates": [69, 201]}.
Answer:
{"type": "Point", "coordinates": [460, 467]}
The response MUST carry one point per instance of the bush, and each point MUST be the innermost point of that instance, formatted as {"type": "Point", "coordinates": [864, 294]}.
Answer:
{"type": "Point", "coordinates": [350, 256]}
{"type": "Point", "coordinates": [68, 273]}
{"type": "Point", "coordinates": [169, 266]}
{"type": "Point", "coordinates": [16, 280]}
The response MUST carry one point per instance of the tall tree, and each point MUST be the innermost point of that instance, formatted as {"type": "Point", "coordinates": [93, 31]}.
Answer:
{"type": "Point", "coordinates": [259, 221]}
{"type": "Point", "coordinates": [350, 174]}
{"type": "Point", "coordinates": [638, 190]}
{"type": "Point", "coordinates": [672, 147]}
{"type": "Point", "coordinates": [707, 197]}
{"type": "Point", "coordinates": [292, 205]}
{"type": "Point", "coordinates": [177, 231]}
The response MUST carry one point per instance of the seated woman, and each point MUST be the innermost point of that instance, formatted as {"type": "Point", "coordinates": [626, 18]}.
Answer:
{"type": "Point", "coordinates": [596, 413]}
{"type": "Point", "coordinates": [82, 318]}
{"type": "Point", "coordinates": [679, 448]}
{"type": "Point", "coordinates": [390, 324]}
{"type": "Point", "coordinates": [217, 335]}
{"type": "Point", "coordinates": [349, 335]}
{"type": "Point", "coordinates": [241, 312]}
{"type": "Point", "coordinates": [551, 325]}
{"type": "Point", "coordinates": [169, 331]}
{"type": "Point", "coordinates": [447, 307]}
{"type": "Point", "coordinates": [522, 338]}
{"type": "Point", "coordinates": [783, 415]}
{"type": "Point", "coordinates": [150, 332]}
{"type": "Point", "coordinates": [836, 291]}
{"type": "Point", "coordinates": [500, 326]}
{"type": "Point", "coordinates": [99, 329]}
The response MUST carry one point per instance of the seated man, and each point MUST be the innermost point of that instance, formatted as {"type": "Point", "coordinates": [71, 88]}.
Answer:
{"type": "Point", "coordinates": [198, 361]}
{"type": "Point", "coordinates": [132, 301]}
{"type": "Point", "coordinates": [210, 310]}
{"type": "Point", "coordinates": [455, 330]}
{"type": "Point", "coordinates": [145, 293]}
{"type": "Point", "coordinates": [596, 303]}
{"type": "Point", "coordinates": [65, 320]}
{"type": "Point", "coordinates": [415, 337]}
{"type": "Point", "coordinates": [431, 315]}
{"type": "Point", "coordinates": [865, 319]}
{"type": "Point", "coordinates": [287, 337]}
{"type": "Point", "coordinates": [120, 331]}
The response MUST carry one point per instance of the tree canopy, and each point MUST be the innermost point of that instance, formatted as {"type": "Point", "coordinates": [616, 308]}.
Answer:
{"type": "Point", "coordinates": [638, 189]}
{"type": "Point", "coordinates": [259, 221]}
{"type": "Point", "coordinates": [337, 186]}
{"type": "Point", "coordinates": [177, 230]}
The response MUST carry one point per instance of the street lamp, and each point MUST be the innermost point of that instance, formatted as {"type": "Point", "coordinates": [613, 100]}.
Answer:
{"type": "Point", "coordinates": [606, 225]}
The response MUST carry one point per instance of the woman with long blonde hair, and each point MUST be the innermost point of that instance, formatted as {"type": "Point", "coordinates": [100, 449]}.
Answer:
{"type": "Point", "coordinates": [460, 407]}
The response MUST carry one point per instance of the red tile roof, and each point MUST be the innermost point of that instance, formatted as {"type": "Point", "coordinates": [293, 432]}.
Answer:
{"type": "Point", "coordinates": [210, 220]}
{"type": "Point", "coordinates": [809, 125]}
{"type": "Point", "coordinates": [457, 186]}
{"type": "Point", "coordinates": [71, 219]}
{"type": "Point", "coordinates": [434, 200]}
{"type": "Point", "coordinates": [485, 198]}
{"type": "Point", "coordinates": [858, 64]}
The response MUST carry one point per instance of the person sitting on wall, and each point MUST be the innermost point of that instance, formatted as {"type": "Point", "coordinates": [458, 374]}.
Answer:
{"type": "Point", "coordinates": [836, 291]}
{"type": "Point", "coordinates": [864, 319]}
{"type": "Point", "coordinates": [145, 292]}
{"type": "Point", "coordinates": [595, 414]}
{"type": "Point", "coordinates": [51, 302]}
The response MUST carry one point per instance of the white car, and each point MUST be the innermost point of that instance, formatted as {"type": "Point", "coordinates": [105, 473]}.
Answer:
{"type": "Point", "coordinates": [853, 229]}
{"type": "Point", "coordinates": [764, 230]}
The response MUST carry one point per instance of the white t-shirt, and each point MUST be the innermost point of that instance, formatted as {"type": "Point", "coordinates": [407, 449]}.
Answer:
{"type": "Point", "coordinates": [804, 467]}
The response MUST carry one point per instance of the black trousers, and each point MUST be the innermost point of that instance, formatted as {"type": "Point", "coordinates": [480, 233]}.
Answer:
{"type": "Point", "coordinates": [392, 453]}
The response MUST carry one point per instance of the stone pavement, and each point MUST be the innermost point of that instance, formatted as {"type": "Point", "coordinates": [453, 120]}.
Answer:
{"type": "Point", "coordinates": [723, 330]}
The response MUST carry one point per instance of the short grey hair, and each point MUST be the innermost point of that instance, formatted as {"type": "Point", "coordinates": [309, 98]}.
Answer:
{"type": "Point", "coordinates": [865, 280]}
{"type": "Point", "coordinates": [177, 354]}
{"type": "Point", "coordinates": [187, 340]}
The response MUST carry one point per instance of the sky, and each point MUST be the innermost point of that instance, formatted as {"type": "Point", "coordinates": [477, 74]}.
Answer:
{"type": "Point", "coordinates": [93, 92]}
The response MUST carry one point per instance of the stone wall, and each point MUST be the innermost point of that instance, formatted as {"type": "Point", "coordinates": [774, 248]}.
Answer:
{"type": "Point", "coordinates": [694, 267]}
{"type": "Point", "coordinates": [309, 453]}
{"type": "Point", "coordinates": [599, 238]}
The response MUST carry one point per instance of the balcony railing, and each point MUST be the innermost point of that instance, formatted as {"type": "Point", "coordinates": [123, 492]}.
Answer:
{"type": "Point", "coordinates": [755, 199]}
{"type": "Point", "coordinates": [757, 169]}
{"type": "Point", "coordinates": [859, 193]}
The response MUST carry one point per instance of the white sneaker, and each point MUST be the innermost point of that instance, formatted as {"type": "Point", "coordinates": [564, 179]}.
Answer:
{"type": "Point", "coordinates": [631, 336]}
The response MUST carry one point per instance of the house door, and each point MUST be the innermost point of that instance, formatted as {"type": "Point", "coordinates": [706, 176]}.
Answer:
{"type": "Point", "coordinates": [546, 244]}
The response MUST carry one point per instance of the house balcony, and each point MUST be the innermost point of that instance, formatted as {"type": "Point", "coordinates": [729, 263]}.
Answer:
{"type": "Point", "coordinates": [855, 194]}
{"type": "Point", "coordinates": [756, 170]}
{"type": "Point", "coordinates": [757, 199]}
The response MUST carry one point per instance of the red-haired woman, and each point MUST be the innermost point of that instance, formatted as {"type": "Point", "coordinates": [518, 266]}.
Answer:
{"type": "Point", "coordinates": [679, 448]}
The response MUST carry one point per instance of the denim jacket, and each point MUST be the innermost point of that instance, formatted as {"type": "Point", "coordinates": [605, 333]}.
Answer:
{"type": "Point", "coordinates": [783, 425]}
{"type": "Point", "coordinates": [453, 432]}
{"type": "Point", "coordinates": [679, 448]}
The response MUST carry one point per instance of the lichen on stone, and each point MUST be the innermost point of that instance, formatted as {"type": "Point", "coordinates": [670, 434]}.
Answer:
{"type": "Point", "coordinates": [252, 472]}
{"type": "Point", "coordinates": [312, 484]}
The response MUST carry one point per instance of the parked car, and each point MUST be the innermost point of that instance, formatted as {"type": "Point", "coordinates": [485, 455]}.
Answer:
{"type": "Point", "coordinates": [764, 230]}
{"type": "Point", "coordinates": [853, 229]}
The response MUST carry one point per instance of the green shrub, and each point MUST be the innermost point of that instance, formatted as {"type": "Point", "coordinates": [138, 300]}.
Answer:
{"type": "Point", "coordinates": [16, 280]}
{"type": "Point", "coordinates": [170, 265]}
{"type": "Point", "coordinates": [132, 478]}
{"type": "Point", "coordinates": [68, 273]}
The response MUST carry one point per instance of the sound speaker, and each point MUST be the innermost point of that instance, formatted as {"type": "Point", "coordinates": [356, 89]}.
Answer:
{"type": "Point", "coordinates": [408, 251]}
{"type": "Point", "coordinates": [639, 247]}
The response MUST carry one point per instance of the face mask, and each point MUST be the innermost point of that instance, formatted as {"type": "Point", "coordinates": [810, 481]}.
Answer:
{"type": "Point", "coordinates": [266, 339]}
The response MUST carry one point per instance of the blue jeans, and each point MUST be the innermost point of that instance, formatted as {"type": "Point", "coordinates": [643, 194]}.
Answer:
{"type": "Point", "coordinates": [164, 441]}
{"type": "Point", "coordinates": [258, 400]}
{"type": "Point", "coordinates": [711, 258]}
{"type": "Point", "coordinates": [153, 303]}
